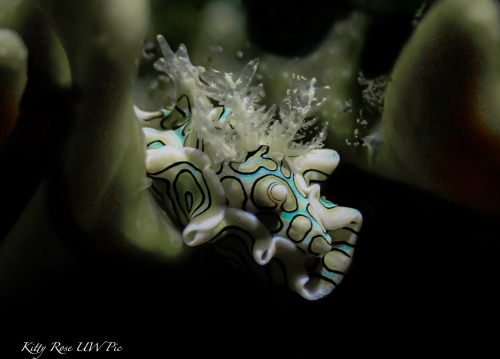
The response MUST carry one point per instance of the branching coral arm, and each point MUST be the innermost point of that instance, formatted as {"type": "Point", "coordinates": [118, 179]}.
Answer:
{"type": "Point", "coordinates": [103, 164]}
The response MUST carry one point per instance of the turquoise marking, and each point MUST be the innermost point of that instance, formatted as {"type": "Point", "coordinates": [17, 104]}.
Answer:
{"type": "Point", "coordinates": [328, 274]}
{"type": "Point", "coordinates": [287, 217]}
{"type": "Point", "coordinates": [345, 248]}
{"type": "Point", "coordinates": [223, 117]}
{"type": "Point", "coordinates": [327, 203]}
{"type": "Point", "coordinates": [155, 145]}
{"type": "Point", "coordinates": [178, 131]}
{"type": "Point", "coordinates": [302, 202]}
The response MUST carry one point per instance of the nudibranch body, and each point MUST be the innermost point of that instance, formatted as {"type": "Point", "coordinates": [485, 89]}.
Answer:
{"type": "Point", "coordinates": [231, 174]}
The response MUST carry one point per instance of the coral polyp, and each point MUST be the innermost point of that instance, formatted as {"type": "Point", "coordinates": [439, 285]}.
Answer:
{"type": "Point", "coordinates": [232, 174]}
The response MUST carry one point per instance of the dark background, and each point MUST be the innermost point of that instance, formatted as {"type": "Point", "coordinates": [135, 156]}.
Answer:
{"type": "Point", "coordinates": [423, 280]}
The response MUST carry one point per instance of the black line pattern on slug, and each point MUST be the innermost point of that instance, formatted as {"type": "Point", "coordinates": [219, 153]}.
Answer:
{"type": "Point", "coordinates": [260, 206]}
